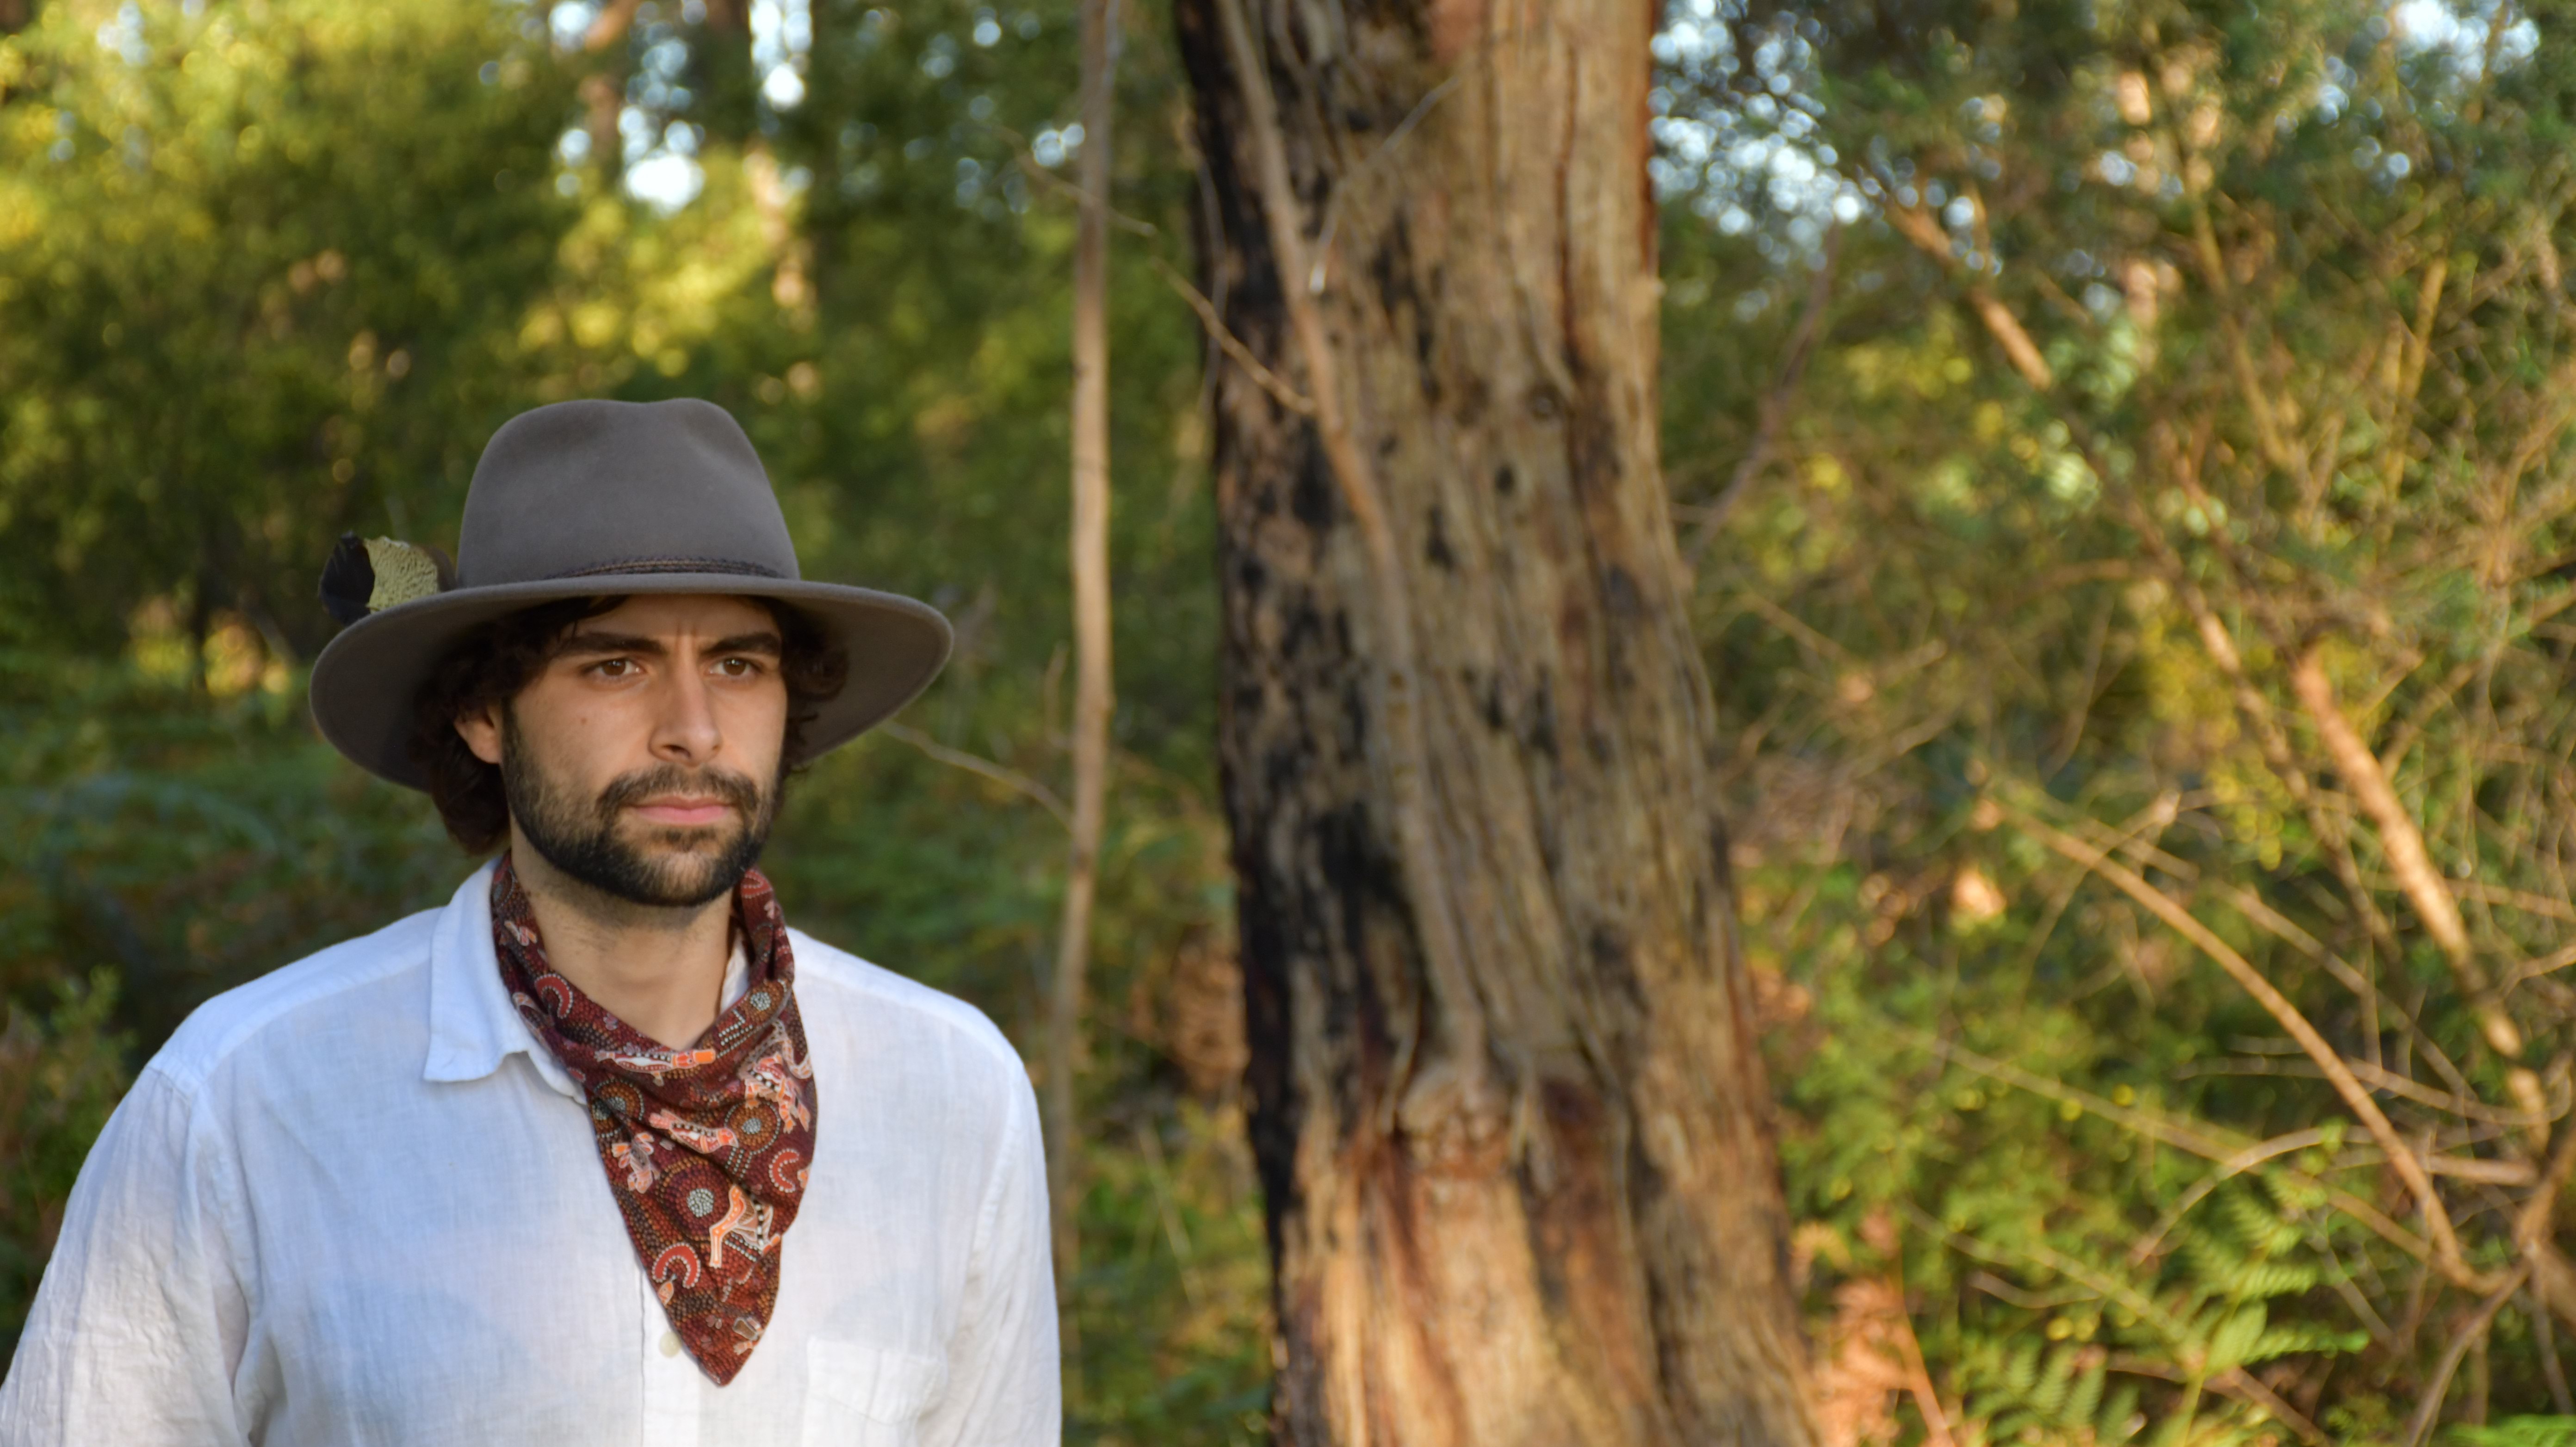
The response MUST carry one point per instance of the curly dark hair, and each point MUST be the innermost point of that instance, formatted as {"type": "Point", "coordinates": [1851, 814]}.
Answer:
{"type": "Point", "coordinates": [493, 663]}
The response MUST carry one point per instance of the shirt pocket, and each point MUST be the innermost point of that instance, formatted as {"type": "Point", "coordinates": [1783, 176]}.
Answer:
{"type": "Point", "coordinates": [863, 1396]}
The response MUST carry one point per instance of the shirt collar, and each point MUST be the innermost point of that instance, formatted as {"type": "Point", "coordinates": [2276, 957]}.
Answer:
{"type": "Point", "coordinates": [473, 1026]}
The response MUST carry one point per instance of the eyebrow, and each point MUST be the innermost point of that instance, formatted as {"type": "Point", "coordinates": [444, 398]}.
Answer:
{"type": "Point", "coordinates": [589, 645]}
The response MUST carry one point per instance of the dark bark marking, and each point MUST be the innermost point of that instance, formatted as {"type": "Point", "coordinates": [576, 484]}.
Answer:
{"type": "Point", "coordinates": [1614, 968]}
{"type": "Point", "coordinates": [1281, 768]}
{"type": "Point", "coordinates": [1505, 479]}
{"type": "Point", "coordinates": [1300, 627]}
{"type": "Point", "coordinates": [1542, 720]}
{"type": "Point", "coordinates": [1311, 497]}
{"type": "Point", "coordinates": [1619, 590]}
{"type": "Point", "coordinates": [1355, 719]}
{"type": "Point", "coordinates": [1437, 550]}
{"type": "Point", "coordinates": [1561, 1209]}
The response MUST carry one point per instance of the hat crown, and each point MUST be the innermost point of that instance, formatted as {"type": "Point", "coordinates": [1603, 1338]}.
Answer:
{"type": "Point", "coordinates": [594, 488]}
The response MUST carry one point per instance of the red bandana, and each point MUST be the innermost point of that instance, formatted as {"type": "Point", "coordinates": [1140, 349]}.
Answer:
{"type": "Point", "coordinates": [706, 1149]}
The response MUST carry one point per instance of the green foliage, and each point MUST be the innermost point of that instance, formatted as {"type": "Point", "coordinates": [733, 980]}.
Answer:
{"type": "Point", "coordinates": [270, 269]}
{"type": "Point", "coordinates": [2168, 347]}
{"type": "Point", "coordinates": [62, 1070]}
{"type": "Point", "coordinates": [2517, 1432]}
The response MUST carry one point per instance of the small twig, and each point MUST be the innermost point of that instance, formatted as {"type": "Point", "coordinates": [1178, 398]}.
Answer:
{"type": "Point", "coordinates": [1774, 407]}
{"type": "Point", "coordinates": [2179, 1136]}
{"type": "Point", "coordinates": [1008, 778]}
{"type": "Point", "coordinates": [2545, 1337]}
{"type": "Point", "coordinates": [2244, 1160]}
{"type": "Point", "coordinates": [2551, 1276]}
{"type": "Point", "coordinates": [2039, 1253]}
{"type": "Point", "coordinates": [2403, 843]}
{"type": "Point", "coordinates": [1160, 1174]}
{"type": "Point", "coordinates": [2251, 906]}
{"type": "Point", "coordinates": [1038, 171]}
{"type": "Point", "coordinates": [2533, 969]}
{"type": "Point", "coordinates": [1918, 1382]}
{"type": "Point", "coordinates": [2437, 1219]}
{"type": "Point", "coordinates": [2234, 1382]}
{"type": "Point", "coordinates": [2377, 1078]}
{"type": "Point", "coordinates": [2521, 899]}
{"type": "Point", "coordinates": [612, 24]}
{"type": "Point", "coordinates": [2471, 1334]}
{"type": "Point", "coordinates": [1227, 342]}
{"type": "Point", "coordinates": [1916, 225]}
{"type": "Point", "coordinates": [1394, 138]}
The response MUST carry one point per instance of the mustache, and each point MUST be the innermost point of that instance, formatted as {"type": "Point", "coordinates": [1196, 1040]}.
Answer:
{"type": "Point", "coordinates": [631, 789]}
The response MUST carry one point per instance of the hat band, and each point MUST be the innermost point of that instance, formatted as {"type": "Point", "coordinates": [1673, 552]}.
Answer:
{"type": "Point", "coordinates": [672, 565]}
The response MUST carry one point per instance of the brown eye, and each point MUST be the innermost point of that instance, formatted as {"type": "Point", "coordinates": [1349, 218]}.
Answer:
{"type": "Point", "coordinates": [613, 667]}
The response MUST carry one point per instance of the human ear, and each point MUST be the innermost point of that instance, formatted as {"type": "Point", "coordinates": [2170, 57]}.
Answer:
{"type": "Point", "coordinates": [481, 730]}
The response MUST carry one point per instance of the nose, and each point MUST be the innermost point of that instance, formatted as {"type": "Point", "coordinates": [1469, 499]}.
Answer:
{"type": "Point", "coordinates": [685, 732]}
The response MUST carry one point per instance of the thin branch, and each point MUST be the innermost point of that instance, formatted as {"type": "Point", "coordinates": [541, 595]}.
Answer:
{"type": "Point", "coordinates": [2545, 1338]}
{"type": "Point", "coordinates": [2533, 969]}
{"type": "Point", "coordinates": [2244, 1160]}
{"type": "Point", "coordinates": [1773, 409]}
{"type": "Point", "coordinates": [611, 26]}
{"type": "Point", "coordinates": [1227, 342]}
{"type": "Point", "coordinates": [2551, 1275]}
{"type": "Point", "coordinates": [1008, 778]}
{"type": "Point", "coordinates": [2031, 1252]}
{"type": "Point", "coordinates": [2402, 842]}
{"type": "Point", "coordinates": [2462, 1339]}
{"type": "Point", "coordinates": [2184, 1137]}
{"type": "Point", "coordinates": [2379, 1078]}
{"type": "Point", "coordinates": [1376, 157]}
{"type": "Point", "coordinates": [2234, 1382]}
{"type": "Point", "coordinates": [2437, 1218]}
{"type": "Point", "coordinates": [1916, 225]}
{"type": "Point", "coordinates": [2251, 906]}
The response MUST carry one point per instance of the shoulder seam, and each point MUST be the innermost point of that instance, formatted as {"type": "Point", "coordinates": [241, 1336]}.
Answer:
{"type": "Point", "coordinates": [188, 1075]}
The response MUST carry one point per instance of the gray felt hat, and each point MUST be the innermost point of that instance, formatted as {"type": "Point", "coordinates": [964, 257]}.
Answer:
{"type": "Point", "coordinates": [587, 499]}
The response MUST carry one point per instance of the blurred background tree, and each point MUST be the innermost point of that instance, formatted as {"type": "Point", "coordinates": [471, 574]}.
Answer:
{"type": "Point", "coordinates": [2122, 447]}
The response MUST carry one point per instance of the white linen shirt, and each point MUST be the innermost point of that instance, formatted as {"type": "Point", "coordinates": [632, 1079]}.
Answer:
{"type": "Point", "coordinates": [356, 1202]}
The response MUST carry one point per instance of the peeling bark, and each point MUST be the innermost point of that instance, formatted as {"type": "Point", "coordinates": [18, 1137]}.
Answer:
{"type": "Point", "coordinates": [1599, 1257]}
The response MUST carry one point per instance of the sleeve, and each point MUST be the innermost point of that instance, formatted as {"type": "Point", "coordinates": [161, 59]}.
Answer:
{"type": "Point", "coordinates": [1003, 1389]}
{"type": "Point", "coordinates": [141, 1317]}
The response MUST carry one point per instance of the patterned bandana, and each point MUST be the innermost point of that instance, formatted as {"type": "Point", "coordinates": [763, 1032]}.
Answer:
{"type": "Point", "coordinates": [706, 1149]}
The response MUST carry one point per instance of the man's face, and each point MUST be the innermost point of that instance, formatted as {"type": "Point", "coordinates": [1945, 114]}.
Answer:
{"type": "Point", "coordinates": [643, 759]}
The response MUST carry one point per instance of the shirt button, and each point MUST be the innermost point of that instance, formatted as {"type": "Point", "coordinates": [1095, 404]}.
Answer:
{"type": "Point", "coordinates": [670, 1343]}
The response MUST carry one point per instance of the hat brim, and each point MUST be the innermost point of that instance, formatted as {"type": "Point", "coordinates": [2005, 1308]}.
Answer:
{"type": "Point", "coordinates": [366, 680]}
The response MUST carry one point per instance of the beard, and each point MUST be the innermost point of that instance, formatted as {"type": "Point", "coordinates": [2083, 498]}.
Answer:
{"type": "Point", "coordinates": [666, 868]}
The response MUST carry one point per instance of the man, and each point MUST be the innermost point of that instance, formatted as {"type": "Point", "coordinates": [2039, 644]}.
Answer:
{"type": "Point", "coordinates": [602, 1151]}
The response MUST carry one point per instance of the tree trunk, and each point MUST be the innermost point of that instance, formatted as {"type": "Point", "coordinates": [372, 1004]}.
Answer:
{"type": "Point", "coordinates": [1590, 1251]}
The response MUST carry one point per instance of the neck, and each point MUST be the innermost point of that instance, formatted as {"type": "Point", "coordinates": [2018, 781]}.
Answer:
{"type": "Point", "coordinates": [658, 968]}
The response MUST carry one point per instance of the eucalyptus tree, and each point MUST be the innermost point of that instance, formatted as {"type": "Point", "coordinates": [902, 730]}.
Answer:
{"type": "Point", "coordinates": [1509, 1115]}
